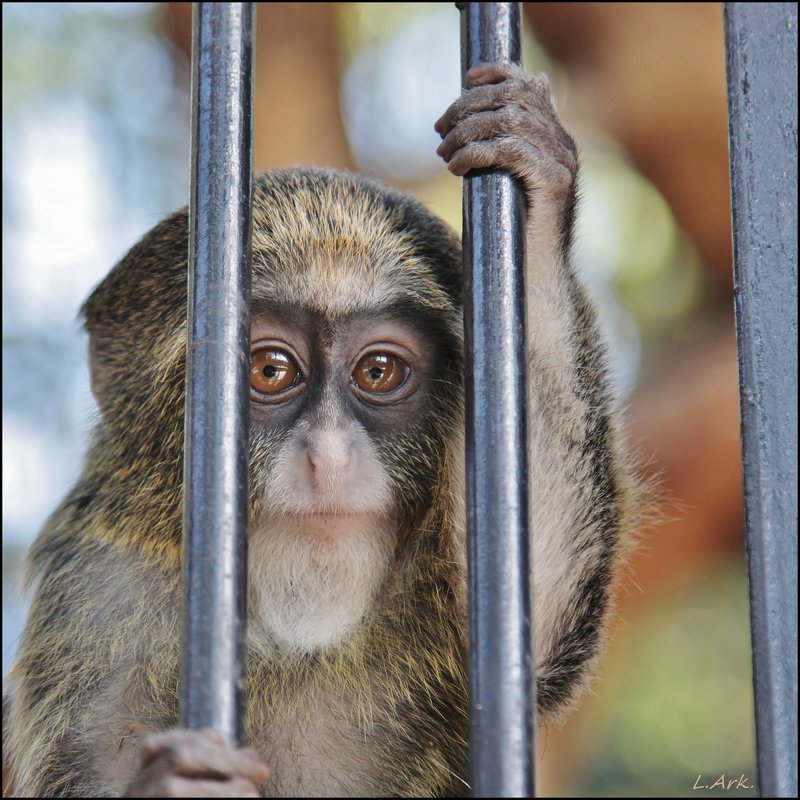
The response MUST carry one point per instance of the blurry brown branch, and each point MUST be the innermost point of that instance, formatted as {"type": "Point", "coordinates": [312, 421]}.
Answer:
{"type": "Point", "coordinates": [296, 110]}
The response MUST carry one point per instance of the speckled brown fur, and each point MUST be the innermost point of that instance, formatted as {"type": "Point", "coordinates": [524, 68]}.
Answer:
{"type": "Point", "coordinates": [384, 713]}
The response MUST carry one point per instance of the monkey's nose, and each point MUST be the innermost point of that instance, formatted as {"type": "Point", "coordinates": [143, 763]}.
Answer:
{"type": "Point", "coordinates": [330, 456]}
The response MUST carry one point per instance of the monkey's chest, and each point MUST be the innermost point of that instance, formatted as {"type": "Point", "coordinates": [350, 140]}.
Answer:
{"type": "Point", "coordinates": [340, 746]}
{"type": "Point", "coordinates": [316, 756]}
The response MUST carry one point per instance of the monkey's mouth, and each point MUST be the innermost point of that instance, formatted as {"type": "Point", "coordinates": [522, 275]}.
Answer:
{"type": "Point", "coordinates": [330, 523]}
{"type": "Point", "coordinates": [333, 513]}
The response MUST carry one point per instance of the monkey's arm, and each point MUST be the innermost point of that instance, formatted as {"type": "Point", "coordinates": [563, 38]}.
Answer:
{"type": "Point", "coordinates": [96, 676]}
{"type": "Point", "coordinates": [581, 494]}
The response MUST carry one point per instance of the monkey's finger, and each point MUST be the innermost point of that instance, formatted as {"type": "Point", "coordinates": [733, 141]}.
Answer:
{"type": "Point", "coordinates": [537, 170]}
{"type": "Point", "coordinates": [485, 74]}
{"type": "Point", "coordinates": [155, 744]}
{"type": "Point", "coordinates": [493, 86]}
{"type": "Point", "coordinates": [506, 121]}
{"type": "Point", "coordinates": [482, 74]}
{"type": "Point", "coordinates": [513, 122]}
{"type": "Point", "coordinates": [530, 94]}
{"type": "Point", "coordinates": [192, 760]}
{"type": "Point", "coordinates": [199, 753]}
{"type": "Point", "coordinates": [482, 98]}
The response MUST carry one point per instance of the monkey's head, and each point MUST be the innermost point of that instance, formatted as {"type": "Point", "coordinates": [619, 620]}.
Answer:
{"type": "Point", "coordinates": [356, 395]}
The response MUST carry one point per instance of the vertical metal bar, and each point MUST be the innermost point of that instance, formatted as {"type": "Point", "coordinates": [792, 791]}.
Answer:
{"type": "Point", "coordinates": [217, 367]}
{"type": "Point", "coordinates": [761, 43]}
{"type": "Point", "coordinates": [502, 689]}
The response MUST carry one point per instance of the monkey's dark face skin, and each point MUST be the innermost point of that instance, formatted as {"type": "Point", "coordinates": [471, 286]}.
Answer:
{"type": "Point", "coordinates": [382, 380]}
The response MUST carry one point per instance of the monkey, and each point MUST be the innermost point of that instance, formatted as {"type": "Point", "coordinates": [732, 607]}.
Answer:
{"type": "Point", "coordinates": [357, 606]}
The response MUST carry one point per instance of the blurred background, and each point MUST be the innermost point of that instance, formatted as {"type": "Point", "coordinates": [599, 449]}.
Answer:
{"type": "Point", "coordinates": [95, 152]}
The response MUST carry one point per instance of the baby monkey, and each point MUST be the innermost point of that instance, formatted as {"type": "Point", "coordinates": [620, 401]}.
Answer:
{"type": "Point", "coordinates": [357, 594]}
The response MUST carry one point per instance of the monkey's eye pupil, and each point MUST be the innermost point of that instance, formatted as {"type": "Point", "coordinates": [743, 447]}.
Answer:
{"type": "Point", "coordinates": [273, 371]}
{"type": "Point", "coordinates": [379, 373]}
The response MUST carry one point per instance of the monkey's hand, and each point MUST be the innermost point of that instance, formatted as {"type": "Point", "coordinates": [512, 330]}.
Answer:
{"type": "Point", "coordinates": [183, 763]}
{"type": "Point", "coordinates": [584, 500]}
{"type": "Point", "coordinates": [505, 120]}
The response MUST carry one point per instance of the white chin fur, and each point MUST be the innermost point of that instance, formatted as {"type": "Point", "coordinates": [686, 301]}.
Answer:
{"type": "Point", "coordinates": [309, 591]}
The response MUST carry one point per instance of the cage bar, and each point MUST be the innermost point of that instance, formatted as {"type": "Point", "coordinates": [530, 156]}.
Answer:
{"type": "Point", "coordinates": [761, 41]}
{"type": "Point", "coordinates": [217, 369]}
{"type": "Point", "coordinates": [502, 688]}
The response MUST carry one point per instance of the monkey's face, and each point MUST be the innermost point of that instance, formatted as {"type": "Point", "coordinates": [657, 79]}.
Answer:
{"type": "Point", "coordinates": [355, 395]}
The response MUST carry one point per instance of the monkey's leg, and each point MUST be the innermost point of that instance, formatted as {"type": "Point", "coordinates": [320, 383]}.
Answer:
{"type": "Point", "coordinates": [580, 487]}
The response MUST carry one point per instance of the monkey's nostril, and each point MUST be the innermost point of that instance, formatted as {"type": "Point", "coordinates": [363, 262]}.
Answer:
{"type": "Point", "coordinates": [329, 460]}
{"type": "Point", "coordinates": [311, 463]}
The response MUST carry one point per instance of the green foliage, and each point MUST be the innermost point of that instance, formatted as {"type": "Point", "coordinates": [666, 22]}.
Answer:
{"type": "Point", "coordinates": [683, 696]}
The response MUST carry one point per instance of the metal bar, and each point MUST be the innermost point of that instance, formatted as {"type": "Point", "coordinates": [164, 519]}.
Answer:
{"type": "Point", "coordinates": [761, 43]}
{"type": "Point", "coordinates": [502, 688]}
{"type": "Point", "coordinates": [217, 367]}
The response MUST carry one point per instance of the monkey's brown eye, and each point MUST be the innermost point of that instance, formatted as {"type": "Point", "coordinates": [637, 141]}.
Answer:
{"type": "Point", "coordinates": [272, 371]}
{"type": "Point", "coordinates": [379, 373]}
